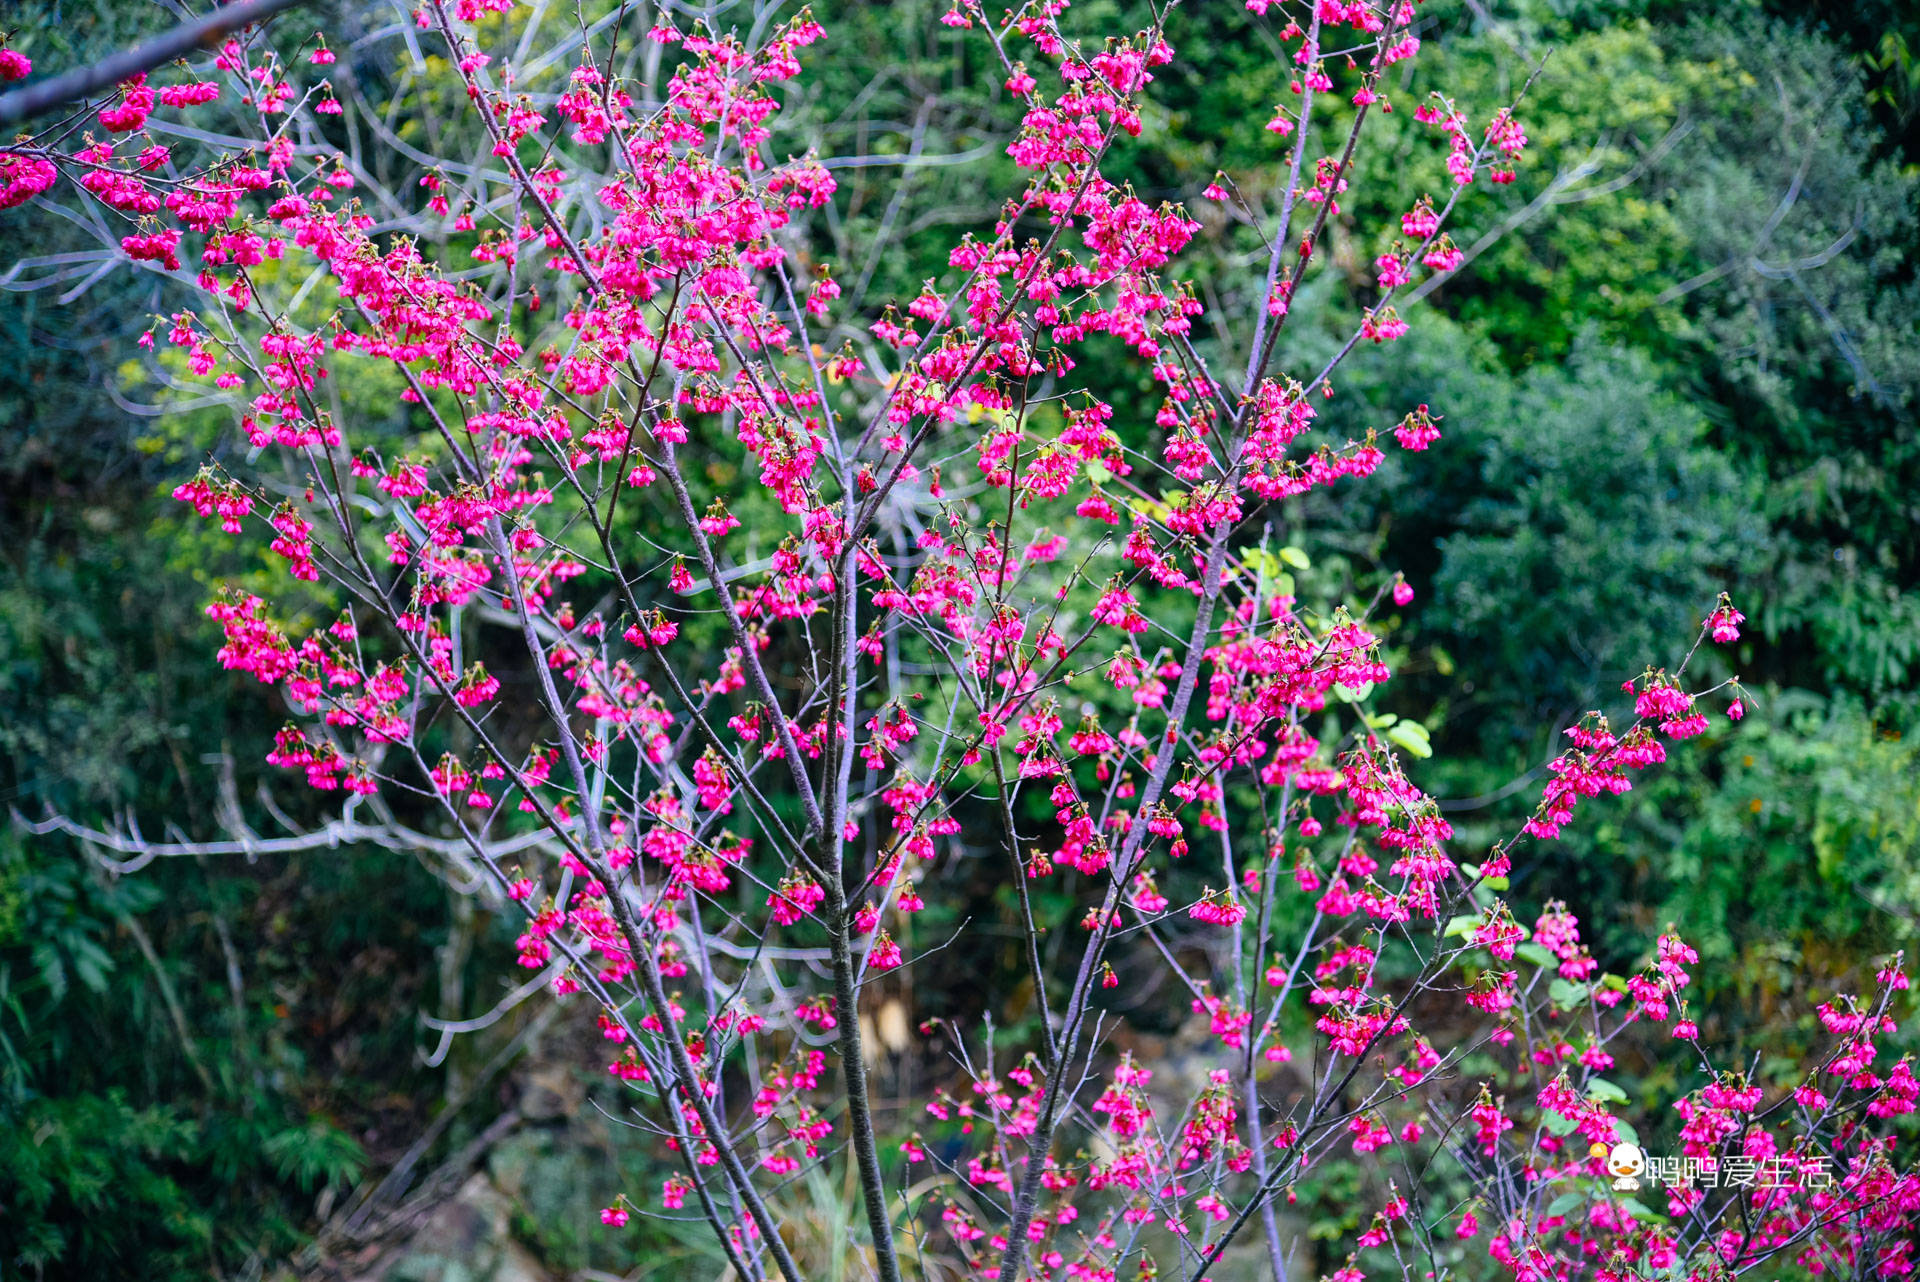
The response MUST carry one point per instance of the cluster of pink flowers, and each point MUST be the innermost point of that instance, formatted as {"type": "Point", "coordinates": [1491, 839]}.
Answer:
{"type": "Point", "coordinates": [759, 747]}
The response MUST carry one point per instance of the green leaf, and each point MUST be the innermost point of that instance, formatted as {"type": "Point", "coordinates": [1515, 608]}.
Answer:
{"type": "Point", "coordinates": [1559, 1123]}
{"type": "Point", "coordinates": [1296, 558]}
{"type": "Point", "coordinates": [1537, 955]}
{"type": "Point", "coordinates": [1566, 1203]}
{"type": "Point", "coordinates": [1461, 925]}
{"type": "Point", "coordinates": [53, 972]}
{"type": "Point", "coordinates": [1412, 736]}
{"type": "Point", "coordinates": [91, 964]}
{"type": "Point", "coordinates": [1565, 995]}
{"type": "Point", "coordinates": [1261, 561]}
{"type": "Point", "coordinates": [316, 1154]}
{"type": "Point", "coordinates": [1601, 1089]}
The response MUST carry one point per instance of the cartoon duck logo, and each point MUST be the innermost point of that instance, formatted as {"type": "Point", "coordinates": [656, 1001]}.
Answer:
{"type": "Point", "coordinates": [1624, 1162]}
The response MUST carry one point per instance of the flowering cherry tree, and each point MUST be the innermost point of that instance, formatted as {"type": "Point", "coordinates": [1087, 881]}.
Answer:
{"type": "Point", "coordinates": [717, 732]}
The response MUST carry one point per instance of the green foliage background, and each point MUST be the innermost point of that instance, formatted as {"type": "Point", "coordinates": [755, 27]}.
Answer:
{"type": "Point", "coordinates": [1666, 379]}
